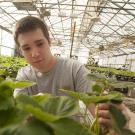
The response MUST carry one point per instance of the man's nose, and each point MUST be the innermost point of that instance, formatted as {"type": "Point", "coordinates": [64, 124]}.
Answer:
{"type": "Point", "coordinates": [35, 52]}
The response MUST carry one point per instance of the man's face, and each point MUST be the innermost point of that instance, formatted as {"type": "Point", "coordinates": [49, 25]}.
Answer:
{"type": "Point", "coordinates": [35, 48]}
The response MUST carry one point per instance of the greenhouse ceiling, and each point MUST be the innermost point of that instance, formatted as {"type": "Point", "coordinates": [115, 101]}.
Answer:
{"type": "Point", "coordinates": [79, 27]}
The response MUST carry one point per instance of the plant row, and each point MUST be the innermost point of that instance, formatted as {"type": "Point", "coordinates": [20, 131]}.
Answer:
{"type": "Point", "coordinates": [9, 66]}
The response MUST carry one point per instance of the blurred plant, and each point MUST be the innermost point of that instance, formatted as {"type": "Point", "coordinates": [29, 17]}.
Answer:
{"type": "Point", "coordinates": [42, 114]}
{"type": "Point", "coordinates": [112, 71]}
{"type": "Point", "coordinates": [9, 66]}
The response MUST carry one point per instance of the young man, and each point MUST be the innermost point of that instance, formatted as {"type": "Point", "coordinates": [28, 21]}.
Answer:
{"type": "Point", "coordinates": [50, 73]}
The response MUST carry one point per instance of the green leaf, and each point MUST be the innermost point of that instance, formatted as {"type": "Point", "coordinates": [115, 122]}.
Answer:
{"type": "Point", "coordinates": [9, 130]}
{"type": "Point", "coordinates": [9, 83]}
{"type": "Point", "coordinates": [67, 126]}
{"type": "Point", "coordinates": [32, 106]}
{"type": "Point", "coordinates": [23, 84]}
{"type": "Point", "coordinates": [23, 100]}
{"type": "Point", "coordinates": [119, 121]}
{"type": "Point", "coordinates": [6, 102]}
{"type": "Point", "coordinates": [30, 128]}
{"type": "Point", "coordinates": [97, 88]}
{"type": "Point", "coordinates": [11, 116]}
{"type": "Point", "coordinates": [6, 88]}
{"type": "Point", "coordinates": [41, 98]}
{"type": "Point", "coordinates": [115, 96]}
{"type": "Point", "coordinates": [118, 97]}
{"type": "Point", "coordinates": [118, 118]}
{"type": "Point", "coordinates": [63, 106]}
{"type": "Point", "coordinates": [35, 128]}
{"type": "Point", "coordinates": [76, 95]}
{"type": "Point", "coordinates": [41, 114]}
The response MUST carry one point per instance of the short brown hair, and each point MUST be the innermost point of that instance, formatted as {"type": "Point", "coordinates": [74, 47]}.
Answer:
{"type": "Point", "coordinates": [30, 23]}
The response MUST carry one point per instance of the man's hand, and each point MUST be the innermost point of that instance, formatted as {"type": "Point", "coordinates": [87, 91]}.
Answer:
{"type": "Point", "coordinates": [105, 116]}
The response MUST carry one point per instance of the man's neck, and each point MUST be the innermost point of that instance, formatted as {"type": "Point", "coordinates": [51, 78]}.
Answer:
{"type": "Point", "coordinates": [51, 64]}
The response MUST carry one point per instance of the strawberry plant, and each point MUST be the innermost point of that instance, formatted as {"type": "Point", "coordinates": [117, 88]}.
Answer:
{"type": "Point", "coordinates": [101, 86]}
{"type": "Point", "coordinates": [37, 115]}
{"type": "Point", "coordinates": [113, 71]}
{"type": "Point", "coordinates": [9, 66]}
{"type": "Point", "coordinates": [52, 115]}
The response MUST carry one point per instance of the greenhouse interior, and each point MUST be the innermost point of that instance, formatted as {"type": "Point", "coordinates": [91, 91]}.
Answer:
{"type": "Point", "coordinates": [88, 58]}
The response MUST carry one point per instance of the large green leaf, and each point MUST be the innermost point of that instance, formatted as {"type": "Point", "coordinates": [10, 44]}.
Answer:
{"type": "Point", "coordinates": [6, 102]}
{"type": "Point", "coordinates": [62, 106]}
{"type": "Point", "coordinates": [41, 98]}
{"type": "Point", "coordinates": [49, 109]}
{"type": "Point", "coordinates": [101, 99]}
{"type": "Point", "coordinates": [115, 96]}
{"type": "Point", "coordinates": [15, 84]}
{"type": "Point", "coordinates": [23, 84]}
{"type": "Point", "coordinates": [9, 130]}
{"type": "Point", "coordinates": [118, 117]}
{"type": "Point", "coordinates": [23, 100]}
{"type": "Point", "coordinates": [11, 116]}
{"type": "Point", "coordinates": [76, 95]}
{"type": "Point", "coordinates": [36, 128]}
{"type": "Point", "coordinates": [7, 86]}
{"type": "Point", "coordinates": [41, 114]}
{"type": "Point", "coordinates": [32, 106]}
{"type": "Point", "coordinates": [27, 128]}
{"type": "Point", "coordinates": [67, 126]}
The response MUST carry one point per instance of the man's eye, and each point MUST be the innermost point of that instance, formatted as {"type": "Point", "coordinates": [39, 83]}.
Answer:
{"type": "Point", "coordinates": [26, 49]}
{"type": "Point", "coordinates": [40, 44]}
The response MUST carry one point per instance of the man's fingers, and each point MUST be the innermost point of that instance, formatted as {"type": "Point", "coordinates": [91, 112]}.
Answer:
{"type": "Point", "coordinates": [104, 122]}
{"type": "Point", "coordinates": [104, 114]}
{"type": "Point", "coordinates": [103, 106]}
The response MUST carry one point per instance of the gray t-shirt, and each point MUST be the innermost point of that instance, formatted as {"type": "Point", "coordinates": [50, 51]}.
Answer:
{"type": "Point", "coordinates": [66, 74]}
